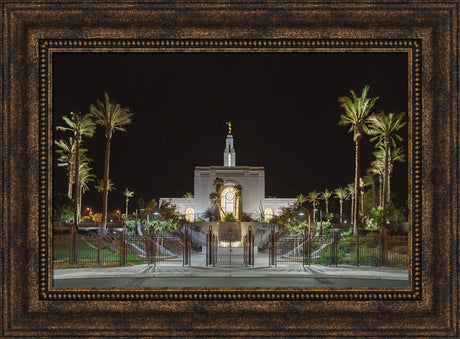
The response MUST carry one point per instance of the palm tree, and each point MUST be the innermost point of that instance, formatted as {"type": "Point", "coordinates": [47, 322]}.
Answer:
{"type": "Point", "coordinates": [100, 185]}
{"type": "Point", "coordinates": [351, 191]}
{"type": "Point", "coordinates": [85, 178]}
{"type": "Point", "coordinates": [377, 168]}
{"type": "Point", "coordinates": [384, 128]}
{"type": "Point", "coordinates": [363, 183]}
{"type": "Point", "coordinates": [357, 110]}
{"type": "Point", "coordinates": [66, 150]}
{"type": "Point", "coordinates": [325, 196]}
{"type": "Point", "coordinates": [238, 194]}
{"type": "Point", "coordinates": [369, 181]}
{"type": "Point", "coordinates": [341, 194]}
{"type": "Point", "coordinates": [80, 126]}
{"type": "Point", "coordinates": [396, 155]}
{"type": "Point", "coordinates": [128, 194]}
{"type": "Point", "coordinates": [301, 199]}
{"type": "Point", "coordinates": [313, 198]}
{"type": "Point", "coordinates": [214, 197]}
{"type": "Point", "coordinates": [187, 195]}
{"type": "Point", "coordinates": [112, 117]}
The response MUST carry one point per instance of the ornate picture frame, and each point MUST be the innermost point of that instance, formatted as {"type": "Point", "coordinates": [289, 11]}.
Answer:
{"type": "Point", "coordinates": [33, 31]}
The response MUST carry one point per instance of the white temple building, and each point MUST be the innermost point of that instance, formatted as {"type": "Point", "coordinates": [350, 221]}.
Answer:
{"type": "Point", "coordinates": [252, 203]}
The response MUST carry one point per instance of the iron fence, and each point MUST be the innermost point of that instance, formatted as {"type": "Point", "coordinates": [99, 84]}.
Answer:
{"type": "Point", "coordinates": [121, 249]}
{"type": "Point", "coordinates": [288, 250]}
{"type": "Point", "coordinates": [307, 249]}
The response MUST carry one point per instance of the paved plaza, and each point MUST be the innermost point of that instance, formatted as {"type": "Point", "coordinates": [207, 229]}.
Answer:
{"type": "Point", "coordinates": [261, 275]}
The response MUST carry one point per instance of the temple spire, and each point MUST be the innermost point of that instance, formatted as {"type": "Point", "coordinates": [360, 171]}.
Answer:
{"type": "Point", "coordinates": [229, 152]}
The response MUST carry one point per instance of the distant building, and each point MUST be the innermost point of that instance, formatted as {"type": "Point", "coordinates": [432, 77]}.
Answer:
{"type": "Point", "coordinates": [252, 202]}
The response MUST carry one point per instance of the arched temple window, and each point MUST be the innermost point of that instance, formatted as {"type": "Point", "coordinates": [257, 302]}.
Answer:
{"type": "Point", "coordinates": [190, 214]}
{"type": "Point", "coordinates": [228, 201]}
{"type": "Point", "coordinates": [268, 214]}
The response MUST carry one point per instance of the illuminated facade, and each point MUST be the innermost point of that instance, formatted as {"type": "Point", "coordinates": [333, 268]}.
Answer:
{"type": "Point", "coordinates": [250, 202]}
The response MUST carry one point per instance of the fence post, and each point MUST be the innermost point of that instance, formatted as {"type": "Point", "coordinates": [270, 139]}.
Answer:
{"type": "Point", "coordinates": [357, 248]}
{"type": "Point", "coordinates": [336, 244]}
{"type": "Point", "coordinates": [209, 240]}
{"type": "Point", "coordinates": [120, 250]}
{"type": "Point", "coordinates": [304, 246]}
{"type": "Point", "coordinates": [73, 245]}
{"type": "Point", "coordinates": [382, 245]}
{"type": "Point", "coordinates": [251, 247]}
{"type": "Point", "coordinates": [272, 246]}
{"type": "Point", "coordinates": [331, 246]}
{"type": "Point", "coordinates": [185, 258]}
{"type": "Point", "coordinates": [98, 248]}
{"type": "Point", "coordinates": [385, 246]}
{"type": "Point", "coordinates": [309, 246]}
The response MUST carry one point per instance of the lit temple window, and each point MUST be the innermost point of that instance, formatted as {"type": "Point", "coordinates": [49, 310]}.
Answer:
{"type": "Point", "coordinates": [228, 200]}
{"type": "Point", "coordinates": [190, 214]}
{"type": "Point", "coordinates": [268, 214]}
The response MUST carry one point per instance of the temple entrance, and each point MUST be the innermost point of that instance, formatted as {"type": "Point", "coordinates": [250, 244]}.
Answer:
{"type": "Point", "coordinates": [228, 248]}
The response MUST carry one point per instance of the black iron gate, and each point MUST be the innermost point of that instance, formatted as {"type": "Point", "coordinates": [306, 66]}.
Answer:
{"type": "Point", "coordinates": [292, 249]}
{"type": "Point", "coordinates": [229, 249]}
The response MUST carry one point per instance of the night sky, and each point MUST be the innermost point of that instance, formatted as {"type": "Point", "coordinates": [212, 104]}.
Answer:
{"type": "Point", "coordinates": [283, 108]}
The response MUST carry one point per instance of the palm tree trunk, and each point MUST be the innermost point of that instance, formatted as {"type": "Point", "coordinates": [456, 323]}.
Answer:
{"type": "Point", "coordinates": [389, 183]}
{"type": "Point", "coordinates": [341, 215]}
{"type": "Point", "coordinates": [327, 206]}
{"type": "Point", "coordinates": [126, 207]}
{"type": "Point", "coordinates": [357, 174]}
{"type": "Point", "coordinates": [385, 173]}
{"type": "Point", "coordinates": [77, 178]}
{"type": "Point", "coordinates": [79, 201]}
{"type": "Point", "coordinates": [352, 209]}
{"type": "Point", "coordinates": [69, 187]}
{"type": "Point", "coordinates": [362, 201]}
{"type": "Point", "coordinates": [105, 192]}
{"type": "Point", "coordinates": [314, 216]}
{"type": "Point", "coordinates": [380, 190]}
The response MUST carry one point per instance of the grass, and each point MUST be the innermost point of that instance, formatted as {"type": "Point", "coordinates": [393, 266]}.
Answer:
{"type": "Point", "coordinates": [87, 256]}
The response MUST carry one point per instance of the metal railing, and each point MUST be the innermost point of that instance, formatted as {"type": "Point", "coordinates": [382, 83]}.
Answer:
{"type": "Point", "coordinates": [121, 249]}
{"type": "Point", "coordinates": [306, 249]}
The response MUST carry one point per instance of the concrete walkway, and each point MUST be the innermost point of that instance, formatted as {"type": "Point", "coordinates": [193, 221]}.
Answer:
{"type": "Point", "coordinates": [200, 275]}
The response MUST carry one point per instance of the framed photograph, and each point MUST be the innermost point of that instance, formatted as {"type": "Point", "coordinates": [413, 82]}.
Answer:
{"type": "Point", "coordinates": [168, 167]}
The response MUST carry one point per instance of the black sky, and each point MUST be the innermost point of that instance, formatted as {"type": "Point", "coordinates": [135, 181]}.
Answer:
{"type": "Point", "coordinates": [283, 108]}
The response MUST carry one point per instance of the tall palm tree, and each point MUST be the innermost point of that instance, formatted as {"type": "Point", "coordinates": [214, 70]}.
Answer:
{"type": "Point", "coordinates": [238, 194]}
{"type": "Point", "coordinates": [66, 151]}
{"type": "Point", "coordinates": [369, 181]}
{"type": "Point", "coordinates": [313, 198]}
{"type": "Point", "coordinates": [301, 199]}
{"type": "Point", "coordinates": [377, 167]}
{"type": "Point", "coordinates": [396, 155]}
{"type": "Point", "coordinates": [384, 128]}
{"type": "Point", "coordinates": [351, 191]}
{"type": "Point", "coordinates": [85, 178]}
{"type": "Point", "coordinates": [187, 195]}
{"type": "Point", "coordinates": [79, 125]}
{"type": "Point", "coordinates": [215, 197]}
{"type": "Point", "coordinates": [100, 185]}
{"type": "Point", "coordinates": [363, 183]}
{"type": "Point", "coordinates": [341, 193]}
{"type": "Point", "coordinates": [128, 194]}
{"type": "Point", "coordinates": [357, 110]}
{"type": "Point", "coordinates": [325, 195]}
{"type": "Point", "coordinates": [112, 117]}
